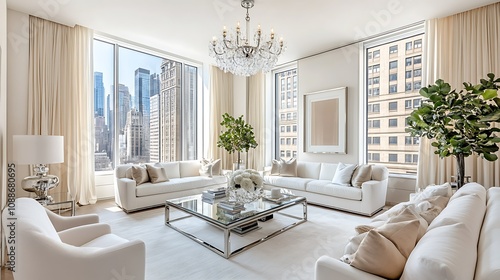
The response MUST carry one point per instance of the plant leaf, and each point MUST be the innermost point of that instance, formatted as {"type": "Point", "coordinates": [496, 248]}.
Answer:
{"type": "Point", "coordinates": [489, 94]}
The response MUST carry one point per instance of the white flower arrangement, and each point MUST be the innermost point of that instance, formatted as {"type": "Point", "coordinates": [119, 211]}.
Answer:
{"type": "Point", "coordinates": [249, 179]}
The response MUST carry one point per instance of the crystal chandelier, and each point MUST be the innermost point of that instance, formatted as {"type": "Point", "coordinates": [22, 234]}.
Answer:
{"type": "Point", "coordinates": [238, 54]}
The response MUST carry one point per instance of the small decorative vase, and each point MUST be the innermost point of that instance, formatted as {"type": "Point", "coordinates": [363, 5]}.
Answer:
{"type": "Point", "coordinates": [239, 194]}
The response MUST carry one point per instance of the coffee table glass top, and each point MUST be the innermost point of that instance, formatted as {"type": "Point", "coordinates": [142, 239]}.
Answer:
{"type": "Point", "coordinates": [196, 206]}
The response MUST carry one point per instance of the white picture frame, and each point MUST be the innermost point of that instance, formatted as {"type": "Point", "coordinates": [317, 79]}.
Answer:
{"type": "Point", "coordinates": [325, 114]}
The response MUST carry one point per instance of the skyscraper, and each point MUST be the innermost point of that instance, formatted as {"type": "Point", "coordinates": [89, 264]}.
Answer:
{"type": "Point", "coordinates": [142, 94]}
{"type": "Point", "coordinates": [170, 111]}
{"type": "Point", "coordinates": [134, 136]}
{"type": "Point", "coordinates": [142, 98]}
{"type": "Point", "coordinates": [124, 100]}
{"type": "Point", "coordinates": [98, 95]}
{"type": "Point", "coordinates": [393, 83]}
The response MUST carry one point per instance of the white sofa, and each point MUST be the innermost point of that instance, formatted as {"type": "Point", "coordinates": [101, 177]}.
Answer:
{"type": "Point", "coordinates": [314, 181]}
{"type": "Point", "coordinates": [51, 247]}
{"type": "Point", "coordinates": [184, 179]}
{"type": "Point", "coordinates": [460, 243]}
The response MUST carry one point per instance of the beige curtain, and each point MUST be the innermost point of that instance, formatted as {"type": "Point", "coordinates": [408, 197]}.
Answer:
{"type": "Point", "coordinates": [60, 100]}
{"type": "Point", "coordinates": [256, 117]}
{"type": "Point", "coordinates": [461, 48]}
{"type": "Point", "coordinates": [221, 101]}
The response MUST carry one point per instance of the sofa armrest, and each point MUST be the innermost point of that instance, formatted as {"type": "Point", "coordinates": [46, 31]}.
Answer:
{"type": "Point", "coordinates": [327, 268]}
{"type": "Point", "coordinates": [78, 236]}
{"type": "Point", "coordinates": [124, 192]}
{"type": "Point", "coordinates": [61, 223]}
{"type": "Point", "coordinates": [373, 195]}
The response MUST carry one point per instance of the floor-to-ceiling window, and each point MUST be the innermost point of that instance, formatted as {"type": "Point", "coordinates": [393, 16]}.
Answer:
{"type": "Point", "coordinates": [145, 107]}
{"type": "Point", "coordinates": [393, 68]}
{"type": "Point", "coordinates": [286, 98]}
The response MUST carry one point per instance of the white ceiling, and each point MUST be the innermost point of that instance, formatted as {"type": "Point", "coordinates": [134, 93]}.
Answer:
{"type": "Point", "coordinates": [185, 27]}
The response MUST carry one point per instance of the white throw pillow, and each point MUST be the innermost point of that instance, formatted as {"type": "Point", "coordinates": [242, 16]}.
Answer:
{"type": "Point", "coordinates": [343, 174]}
{"type": "Point", "coordinates": [210, 168]}
{"type": "Point", "coordinates": [433, 190]}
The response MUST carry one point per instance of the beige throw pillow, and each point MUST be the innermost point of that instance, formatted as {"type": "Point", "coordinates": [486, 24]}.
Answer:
{"type": "Point", "coordinates": [284, 168]}
{"type": "Point", "coordinates": [408, 213]}
{"type": "Point", "coordinates": [402, 234]}
{"type": "Point", "coordinates": [362, 173]}
{"type": "Point", "coordinates": [157, 174]}
{"type": "Point", "coordinates": [363, 228]}
{"type": "Point", "coordinates": [438, 203]}
{"type": "Point", "coordinates": [378, 255]}
{"type": "Point", "coordinates": [140, 174]}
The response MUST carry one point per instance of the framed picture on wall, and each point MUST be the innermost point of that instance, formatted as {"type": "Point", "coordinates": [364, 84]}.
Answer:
{"type": "Point", "coordinates": [325, 121]}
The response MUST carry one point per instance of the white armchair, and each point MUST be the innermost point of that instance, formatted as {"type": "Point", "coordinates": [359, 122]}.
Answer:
{"type": "Point", "coordinates": [48, 246]}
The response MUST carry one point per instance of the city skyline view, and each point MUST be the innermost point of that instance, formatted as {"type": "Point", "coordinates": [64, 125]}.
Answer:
{"type": "Point", "coordinates": [149, 104]}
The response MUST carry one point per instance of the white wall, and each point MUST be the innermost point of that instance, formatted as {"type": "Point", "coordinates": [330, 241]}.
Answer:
{"type": "Point", "coordinates": [342, 68]}
{"type": "Point", "coordinates": [330, 70]}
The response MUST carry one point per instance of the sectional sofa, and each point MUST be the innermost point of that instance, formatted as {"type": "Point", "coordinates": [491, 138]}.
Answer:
{"type": "Point", "coordinates": [459, 243]}
{"type": "Point", "coordinates": [313, 180]}
{"type": "Point", "coordinates": [183, 179]}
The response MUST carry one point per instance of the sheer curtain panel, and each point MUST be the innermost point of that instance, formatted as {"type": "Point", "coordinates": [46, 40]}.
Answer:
{"type": "Point", "coordinates": [221, 101]}
{"type": "Point", "coordinates": [60, 91]}
{"type": "Point", "coordinates": [461, 48]}
{"type": "Point", "coordinates": [256, 117]}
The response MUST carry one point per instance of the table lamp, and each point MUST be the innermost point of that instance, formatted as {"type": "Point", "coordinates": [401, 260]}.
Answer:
{"type": "Point", "coordinates": [39, 150]}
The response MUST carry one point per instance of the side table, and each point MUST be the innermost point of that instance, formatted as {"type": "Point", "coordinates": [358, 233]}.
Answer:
{"type": "Point", "coordinates": [61, 203]}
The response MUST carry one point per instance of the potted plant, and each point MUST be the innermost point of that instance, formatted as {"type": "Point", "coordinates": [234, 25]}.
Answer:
{"type": "Point", "coordinates": [459, 123]}
{"type": "Point", "coordinates": [237, 137]}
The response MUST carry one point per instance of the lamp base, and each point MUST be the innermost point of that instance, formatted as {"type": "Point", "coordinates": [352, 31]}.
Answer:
{"type": "Point", "coordinates": [40, 184]}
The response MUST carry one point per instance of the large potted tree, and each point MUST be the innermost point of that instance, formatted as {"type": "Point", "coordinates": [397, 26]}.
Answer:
{"type": "Point", "coordinates": [459, 123]}
{"type": "Point", "coordinates": [237, 137]}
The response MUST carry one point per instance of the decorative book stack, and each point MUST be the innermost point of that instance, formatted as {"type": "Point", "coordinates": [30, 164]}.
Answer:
{"type": "Point", "coordinates": [210, 195]}
{"type": "Point", "coordinates": [231, 207]}
{"type": "Point", "coordinates": [246, 227]}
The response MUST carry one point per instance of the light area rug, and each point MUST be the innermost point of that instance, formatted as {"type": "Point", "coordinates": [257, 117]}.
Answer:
{"type": "Point", "coordinates": [290, 255]}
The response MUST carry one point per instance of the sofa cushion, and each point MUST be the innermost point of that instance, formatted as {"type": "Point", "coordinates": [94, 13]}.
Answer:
{"type": "Point", "coordinates": [488, 262]}
{"type": "Point", "coordinates": [106, 240]}
{"type": "Point", "coordinates": [361, 174]}
{"type": "Point", "coordinates": [293, 183]}
{"type": "Point", "coordinates": [468, 209]}
{"type": "Point", "coordinates": [327, 171]}
{"type": "Point", "coordinates": [140, 174]}
{"type": "Point", "coordinates": [374, 255]}
{"type": "Point", "coordinates": [172, 169]}
{"type": "Point", "coordinates": [308, 169]}
{"type": "Point", "coordinates": [343, 174]}
{"type": "Point", "coordinates": [447, 252]}
{"type": "Point", "coordinates": [328, 188]}
{"type": "Point", "coordinates": [189, 168]}
{"type": "Point", "coordinates": [157, 173]}
{"type": "Point", "coordinates": [179, 184]}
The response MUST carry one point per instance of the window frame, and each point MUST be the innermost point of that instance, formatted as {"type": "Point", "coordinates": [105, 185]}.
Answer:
{"type": "Point", "coordinates": [199, 118]}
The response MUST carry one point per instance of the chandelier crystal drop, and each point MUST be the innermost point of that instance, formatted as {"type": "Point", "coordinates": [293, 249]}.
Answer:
{"type": "Point", "coordinates": [242, 55]}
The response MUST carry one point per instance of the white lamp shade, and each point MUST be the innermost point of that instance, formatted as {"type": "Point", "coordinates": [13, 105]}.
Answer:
{"type": "Point", "coordinates": [38, 149]}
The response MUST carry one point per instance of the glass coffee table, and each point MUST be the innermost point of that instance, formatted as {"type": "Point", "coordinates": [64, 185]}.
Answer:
{"type": "Point", "coordinates": [228, 222]}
